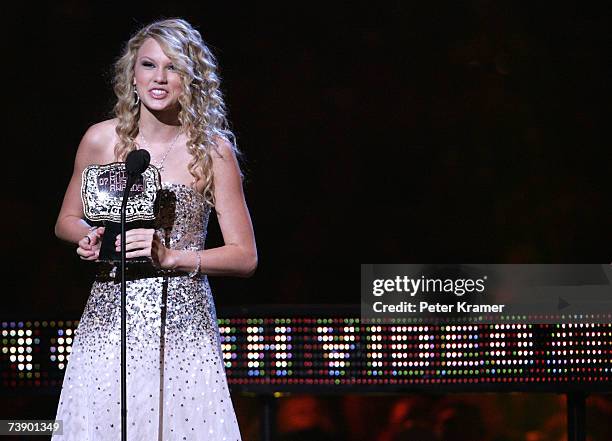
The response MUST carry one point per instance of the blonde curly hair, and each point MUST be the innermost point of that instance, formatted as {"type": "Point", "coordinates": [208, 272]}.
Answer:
{"type": "Point", "coordinates": [202, 114]}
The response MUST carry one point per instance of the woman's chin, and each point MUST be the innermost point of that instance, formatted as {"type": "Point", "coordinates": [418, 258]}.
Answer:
{"type": "Point", "coordinates": [161, 106]}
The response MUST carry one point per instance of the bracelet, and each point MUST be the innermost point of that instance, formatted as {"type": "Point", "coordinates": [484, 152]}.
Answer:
{"type": "Point", "coordinates": [196, 270]}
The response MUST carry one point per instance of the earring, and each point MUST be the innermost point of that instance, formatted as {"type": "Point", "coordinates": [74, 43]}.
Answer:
{"type": "Point", "coordinates": [137, 96]}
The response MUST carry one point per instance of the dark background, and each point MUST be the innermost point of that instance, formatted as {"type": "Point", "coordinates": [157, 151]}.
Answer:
{"type": "Point", "coordinates": [399, 132]}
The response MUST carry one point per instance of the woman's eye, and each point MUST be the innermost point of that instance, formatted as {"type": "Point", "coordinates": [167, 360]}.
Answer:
{"type": "Point", "coordinates": [149, 64]}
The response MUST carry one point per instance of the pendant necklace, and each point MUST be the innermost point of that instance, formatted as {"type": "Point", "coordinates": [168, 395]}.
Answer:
{"type": "Point", "coordinates": [161, 163]}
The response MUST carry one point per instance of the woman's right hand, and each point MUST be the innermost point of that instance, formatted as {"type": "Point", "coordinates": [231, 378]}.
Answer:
{"type": "Point", "coordinates": [89, 245]}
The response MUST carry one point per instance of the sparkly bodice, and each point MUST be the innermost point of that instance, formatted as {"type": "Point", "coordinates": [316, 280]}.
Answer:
{"type": "Point", "coordinates": [183, 217]}
{"type": "Point", "coordinates": [182, 224]}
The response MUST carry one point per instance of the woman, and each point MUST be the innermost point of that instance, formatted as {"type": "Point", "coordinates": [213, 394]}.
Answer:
{"type": "Point", "coordinates": [168, 102]}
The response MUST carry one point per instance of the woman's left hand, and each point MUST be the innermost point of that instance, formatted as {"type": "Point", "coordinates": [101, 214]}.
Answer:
{"type": "Point", "coordinates": [145, 242]}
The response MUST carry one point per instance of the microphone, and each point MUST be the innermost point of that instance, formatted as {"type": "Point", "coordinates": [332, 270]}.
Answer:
{"type": "Point", "coordinates": [137, 162]}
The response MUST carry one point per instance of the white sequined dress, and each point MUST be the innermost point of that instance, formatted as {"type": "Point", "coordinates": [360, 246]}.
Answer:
{"type": "Point", "coordinates": [176, 383]}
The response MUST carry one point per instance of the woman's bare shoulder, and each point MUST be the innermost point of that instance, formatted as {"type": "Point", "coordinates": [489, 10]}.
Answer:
{"type": "Point", "coordinates": [223, 148]}
{"type": "Point", "coordinates": [100, 138]}
{"type": "Point", "coordinates": [102, 132]}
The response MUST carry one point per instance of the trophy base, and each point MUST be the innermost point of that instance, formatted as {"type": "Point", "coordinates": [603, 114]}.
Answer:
{"type": "Point", "coordinates": [108, 253]}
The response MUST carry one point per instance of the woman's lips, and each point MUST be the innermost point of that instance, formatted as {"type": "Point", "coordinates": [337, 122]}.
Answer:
{"type": "Point", "coordinates": [158, 94]}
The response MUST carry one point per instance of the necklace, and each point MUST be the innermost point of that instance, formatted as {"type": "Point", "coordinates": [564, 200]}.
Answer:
{"type": "Point", "coordinates": [161, 163]}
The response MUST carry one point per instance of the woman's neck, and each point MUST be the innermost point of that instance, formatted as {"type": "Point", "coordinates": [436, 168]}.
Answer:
{"type": "Point", "coordinates": [158, 126]}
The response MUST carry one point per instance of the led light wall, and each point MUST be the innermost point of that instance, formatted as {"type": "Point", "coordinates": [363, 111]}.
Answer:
{"type": "Point", "coordinates": [340, 351]}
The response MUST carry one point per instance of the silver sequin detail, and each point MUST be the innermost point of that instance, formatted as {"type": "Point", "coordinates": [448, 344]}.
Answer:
{"type": "Point", "coordinates": [177, 388]}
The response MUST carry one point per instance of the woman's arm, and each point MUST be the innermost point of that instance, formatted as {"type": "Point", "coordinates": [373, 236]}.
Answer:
{"type": "Point", "coordinates": [70, 225]}
{"type": "Point", "coordinates": [238, 255]}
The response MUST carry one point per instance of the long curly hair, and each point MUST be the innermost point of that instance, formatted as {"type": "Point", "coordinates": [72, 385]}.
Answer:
{"type": "Point", "coordinates": [202, 115]}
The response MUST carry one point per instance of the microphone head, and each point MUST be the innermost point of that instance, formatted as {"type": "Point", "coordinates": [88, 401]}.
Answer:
{"type": "Point", "coordinates": [137, 162]}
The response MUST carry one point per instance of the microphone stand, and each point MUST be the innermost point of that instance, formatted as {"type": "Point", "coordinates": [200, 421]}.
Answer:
{"type": "Point", "coordinates": [126, 192]}
{"type": "Point", "coordinates": [136, 163]}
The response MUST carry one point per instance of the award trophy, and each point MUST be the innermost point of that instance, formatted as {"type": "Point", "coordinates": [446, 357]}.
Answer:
{"type": "Point", "coordinates": [102, 188]}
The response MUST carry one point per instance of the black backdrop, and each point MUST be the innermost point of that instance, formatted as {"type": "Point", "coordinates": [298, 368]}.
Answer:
{"type": "Point", "coordinates": [389, 132]}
